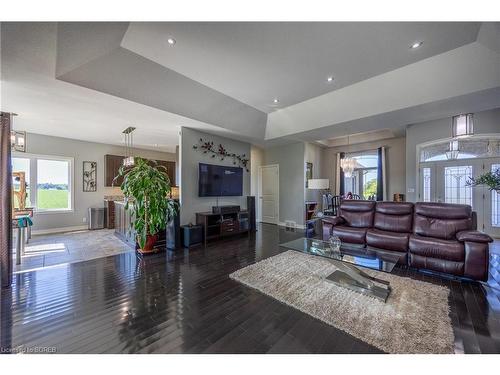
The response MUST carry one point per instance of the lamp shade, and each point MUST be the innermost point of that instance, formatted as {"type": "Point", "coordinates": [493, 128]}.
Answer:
{"type": "Point", "coordinates": [318, 183]}
{"type": "Point", "coordinates": [462, 126]}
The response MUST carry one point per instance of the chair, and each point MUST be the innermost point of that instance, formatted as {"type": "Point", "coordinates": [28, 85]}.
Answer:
{"type": "Point", "coordinates": [335, 204]}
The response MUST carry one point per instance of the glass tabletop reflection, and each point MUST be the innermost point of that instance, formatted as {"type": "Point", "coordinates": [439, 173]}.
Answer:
{"type": "Point", "coordinates": [347, 253]}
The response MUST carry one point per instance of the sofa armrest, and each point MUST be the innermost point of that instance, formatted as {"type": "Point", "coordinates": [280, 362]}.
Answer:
{"type": "Point", "coordinates": [333, 220]}
{"type": "Point", "coordinates": [473, 236]}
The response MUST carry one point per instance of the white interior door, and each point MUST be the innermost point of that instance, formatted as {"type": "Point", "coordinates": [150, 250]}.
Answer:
{"type": "Point", "coordinates": [269, 193]}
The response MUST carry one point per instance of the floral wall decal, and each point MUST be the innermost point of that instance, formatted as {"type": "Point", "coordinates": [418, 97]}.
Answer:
{"type": "Point", "coordinates": [208, 147]}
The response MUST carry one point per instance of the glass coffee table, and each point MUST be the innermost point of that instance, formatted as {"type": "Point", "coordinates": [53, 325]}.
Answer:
{"type": "Point", "coordinates": [347, 260]}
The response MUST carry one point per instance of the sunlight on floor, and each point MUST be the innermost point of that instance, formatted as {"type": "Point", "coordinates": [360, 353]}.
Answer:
{"type": "Point", "coordinates": [44, 249]}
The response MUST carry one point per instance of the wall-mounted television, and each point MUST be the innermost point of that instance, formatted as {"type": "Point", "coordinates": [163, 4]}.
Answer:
{"type": "Point", "coordinates": [219, 181]}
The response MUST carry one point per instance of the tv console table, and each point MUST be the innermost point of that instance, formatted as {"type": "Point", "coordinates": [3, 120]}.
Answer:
{"type": "Point", "coordinates": [220, 225]}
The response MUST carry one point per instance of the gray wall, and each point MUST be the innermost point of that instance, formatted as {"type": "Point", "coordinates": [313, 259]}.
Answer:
{"type": "Point", "coordinates": [292, 179]}
{"type": "Point", "coordinates": [189, 160]}
{"type": "Point", "coordinates": [395, 162]}
{"type": "Point", "coordinates": [314, 154]}
{"type": "Point", "coordinates": [256, 160]}
{"type": "Point", "coordinates": [80, 151]}
{"type": "Point", "coordinates": [486, 122]}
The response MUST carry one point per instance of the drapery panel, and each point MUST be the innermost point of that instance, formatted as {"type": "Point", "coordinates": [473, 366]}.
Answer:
{"type": "Point", "coordinates": [5, 201]}
{"type": "Point", "coordinates": [381, 174]}
{"type": "Point", "coordinates": [340, 173]}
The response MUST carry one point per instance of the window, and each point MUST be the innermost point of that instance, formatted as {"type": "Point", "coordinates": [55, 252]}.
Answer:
{"type": "Point", "coordinates": [495, 202]}
{"type": "Point", "coordinates": [364, 178]}
{"type": "Point", "coordinates": [455, 188]}
{"type": "Point", "coordinates": [426, 184]}
{"type": "Point", "coordinates": [49, 181]}
{"type": "Point", "coordinates": [21, 165]}
{"type": "Point", "coordinates": [52, 185]}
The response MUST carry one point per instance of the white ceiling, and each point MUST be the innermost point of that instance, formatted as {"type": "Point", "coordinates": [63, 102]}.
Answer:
{"type": "Point", "coordinates": [222, 77]}
{"type": "Point", "coordinates": [255, 62]}
{"type": "Point", "coordinates": [49, 106]}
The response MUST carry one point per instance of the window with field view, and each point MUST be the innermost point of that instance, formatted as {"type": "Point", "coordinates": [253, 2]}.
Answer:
{"type": "Point", "coordinates": [52, 185]}
{"type": "Point", "coordinates": [48, 182]}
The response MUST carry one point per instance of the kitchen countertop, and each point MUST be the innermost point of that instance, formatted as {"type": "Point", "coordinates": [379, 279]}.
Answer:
{"type": "Point", "coordinates": [114, 197]}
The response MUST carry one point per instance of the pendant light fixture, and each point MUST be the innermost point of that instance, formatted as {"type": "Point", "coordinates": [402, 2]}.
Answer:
{"type": "Point", "coordinates": [453, 151]}
{"type": "Point", "coordinates": [462, 126]}
{"type": "Point", "coordinates": [347, 163]}
{"type": "Point", "coordinates": [129, 161]}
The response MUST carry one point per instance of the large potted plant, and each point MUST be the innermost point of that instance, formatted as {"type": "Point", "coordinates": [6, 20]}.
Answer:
{"type": "Point", "coordinates": [146, 187]}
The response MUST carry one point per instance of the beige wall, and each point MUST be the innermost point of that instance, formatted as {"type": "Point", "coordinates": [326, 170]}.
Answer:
{"type": "Point", "coordinates": [395, 162]}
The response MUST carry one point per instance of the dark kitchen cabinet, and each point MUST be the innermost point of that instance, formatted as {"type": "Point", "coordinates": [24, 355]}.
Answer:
{"type": "Point", "coordinates": [170, 166]}
{"type": "Point", "coordinates": [112, 164]}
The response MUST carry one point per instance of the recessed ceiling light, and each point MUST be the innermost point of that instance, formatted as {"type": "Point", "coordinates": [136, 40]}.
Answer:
{"type": "Point", "coordinates": [329, 79]}
{"type": "Point", "coordinates": [171, 41]}
{"type": "Point", "coordinates": [276, 101]}
{"type": "Point", "coordinates": [416, 45]}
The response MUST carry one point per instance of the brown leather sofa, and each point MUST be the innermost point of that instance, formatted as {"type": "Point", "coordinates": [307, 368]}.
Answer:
{"type": "Point", "coordinates": [432, 236]}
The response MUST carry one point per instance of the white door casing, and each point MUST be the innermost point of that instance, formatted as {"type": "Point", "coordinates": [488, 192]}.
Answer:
{"type": "Point", "coordinates": [269, 193]}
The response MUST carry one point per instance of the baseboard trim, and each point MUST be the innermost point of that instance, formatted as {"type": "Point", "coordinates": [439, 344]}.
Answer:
{"type": "Point", "coordinates": [297, 226]}
{"type": "Point", "coordinates": [59, 230]}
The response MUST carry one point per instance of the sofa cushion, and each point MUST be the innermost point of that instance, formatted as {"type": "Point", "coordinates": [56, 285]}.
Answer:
{"type": "Point", "coordinates": [394, 216]}
{"type": "Point", "coordinates": [357, 213]}
{"type": "Point", "coordinates": [436, 264]}
{"type": "Point", "coordinates": [333, 220]}
{"type": "Point", "coordinates": [441, 220]}
{"type": "Point", "coordinates": [387, 240]}
{"type": "Point", "coordinates": [349, 234]}
{"type": "Point", "coordinates": [452, 250]}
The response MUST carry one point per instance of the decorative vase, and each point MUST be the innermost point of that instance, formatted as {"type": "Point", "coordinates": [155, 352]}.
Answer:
{"type": "Point", "coordinates": [150, 244]}
{"type": "Point", "coordinates": [334, 243]}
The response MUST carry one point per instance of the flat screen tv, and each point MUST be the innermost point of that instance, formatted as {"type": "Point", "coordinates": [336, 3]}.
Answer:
{"type": "Point", "coordinates": [219, 181]}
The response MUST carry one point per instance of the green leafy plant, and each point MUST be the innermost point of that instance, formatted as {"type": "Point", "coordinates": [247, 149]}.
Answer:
{"type": "Point", "coordinates": [490, 179]}
{"type": "Point", "coordinates": [147, 186]}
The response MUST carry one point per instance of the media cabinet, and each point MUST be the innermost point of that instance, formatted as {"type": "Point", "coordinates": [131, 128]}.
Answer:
{"type": "Point", "coordinates": [220, 225]}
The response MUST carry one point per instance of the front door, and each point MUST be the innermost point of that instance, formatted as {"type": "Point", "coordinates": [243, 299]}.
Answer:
{"type": "Point", "coordinates": [269, 193]}
{"type": "Point", "coordinates": [445, 181]}
{"type": "Point", "coordinates": [492, 203]}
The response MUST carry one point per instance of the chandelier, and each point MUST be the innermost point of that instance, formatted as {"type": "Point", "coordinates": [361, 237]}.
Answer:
{"type": "Point", "coordinates": [462, 126]}
{"type": "Point", "coordinates": [129, 160]}
{"type": "Point", "coordinates": [453, 151]}
{"type": "Point", "coordinates": [347, 163]}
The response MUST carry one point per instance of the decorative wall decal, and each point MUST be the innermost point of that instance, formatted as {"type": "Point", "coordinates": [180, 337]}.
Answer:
{"type": "Point", "coordinates": [89, 176]}
{"type": "Point", "coordinates": [209, 148]}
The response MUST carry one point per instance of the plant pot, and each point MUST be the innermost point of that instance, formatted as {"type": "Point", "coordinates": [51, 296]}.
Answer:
{"type": "Point", "coordinates": [149, 246]}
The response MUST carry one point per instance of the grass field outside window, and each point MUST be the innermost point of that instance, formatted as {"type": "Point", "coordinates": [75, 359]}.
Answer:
{"type": "Point", "coordinates": [52, 199]}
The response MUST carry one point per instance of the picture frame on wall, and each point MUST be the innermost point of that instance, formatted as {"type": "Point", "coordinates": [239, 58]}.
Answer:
{"type": "Point", "coordinates": [89, 176]}
{"type": "Point", "coordinates": [309, 172]}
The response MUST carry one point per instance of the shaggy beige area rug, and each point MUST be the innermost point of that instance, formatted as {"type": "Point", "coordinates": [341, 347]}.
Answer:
{"type": "Point", "coordinates": [415, 318]}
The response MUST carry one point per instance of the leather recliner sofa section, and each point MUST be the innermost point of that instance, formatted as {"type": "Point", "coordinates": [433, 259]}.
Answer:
{"type": "Point", "coordinates": [433, 236]}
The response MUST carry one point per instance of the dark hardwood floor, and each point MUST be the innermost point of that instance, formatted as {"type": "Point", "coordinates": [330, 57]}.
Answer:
{"type": "Point", "coordinates": [184, 302]}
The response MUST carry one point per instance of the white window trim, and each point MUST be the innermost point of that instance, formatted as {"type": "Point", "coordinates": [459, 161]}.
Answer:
{"type": "Point", "coordinates": [33, 180]}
